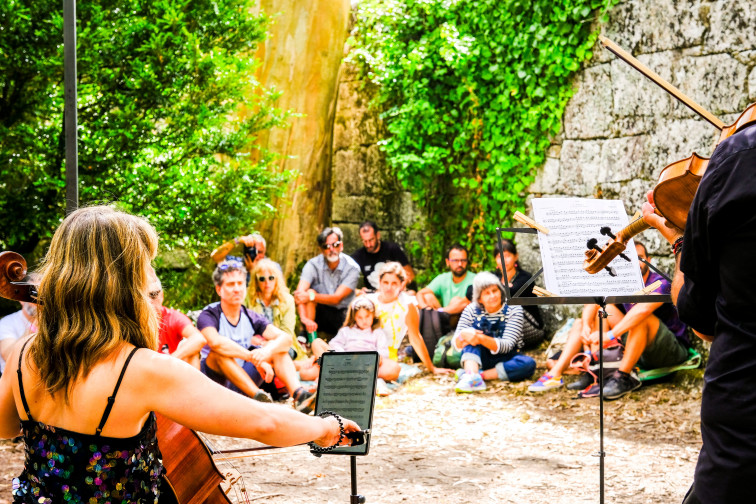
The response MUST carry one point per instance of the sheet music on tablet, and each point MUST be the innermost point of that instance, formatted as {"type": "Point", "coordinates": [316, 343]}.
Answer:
{"type": "Point", "coordinates": [571, 223]}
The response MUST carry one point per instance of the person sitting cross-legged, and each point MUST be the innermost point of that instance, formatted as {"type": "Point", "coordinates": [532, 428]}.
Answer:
{"type": "Point", "coordinates": [447, 291]}
{"type": "Point", "coordinates": [653, 335]}
{"type": "Point", "coordinates": [230, 358]}
{"type": "Point", "coordinates": [489, 334]}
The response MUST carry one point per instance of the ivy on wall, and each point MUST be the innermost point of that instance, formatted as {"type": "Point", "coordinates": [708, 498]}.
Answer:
{"type": "Point", "coordinates": [471, 92]}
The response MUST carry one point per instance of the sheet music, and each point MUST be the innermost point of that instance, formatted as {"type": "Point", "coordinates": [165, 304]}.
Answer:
{"type": "Point", "coordinates": [571, 223]}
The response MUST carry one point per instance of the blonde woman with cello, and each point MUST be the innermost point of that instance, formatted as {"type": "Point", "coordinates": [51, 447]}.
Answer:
{"type": "Point", "coordinates": [83, 393]}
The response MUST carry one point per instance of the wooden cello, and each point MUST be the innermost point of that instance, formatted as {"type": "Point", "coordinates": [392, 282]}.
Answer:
{"type": "Point", "coordinates": [678, 181]}
{"type": "Point", "coordinates": [191, 477]}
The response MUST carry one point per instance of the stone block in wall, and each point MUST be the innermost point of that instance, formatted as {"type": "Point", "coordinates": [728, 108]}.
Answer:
{"type": "Point", "coordinates": [588, 113]}
{"type": "Point", "coordinates": [579, 167]}
{"type": "Point", "coordinates": [355, 122]}
{"type": "Point", "coordinates": [645, 26]}
{"type": "Point", "coordinates": [358, 172]}
{"type": "Point", "coordinates": [622, 158]}
{"type": "Point", "coordinates": [352, 239]}
{"type": "Point", "coordinates": [355, 209]}
{"type": "Point", "coordinates": [752, 86]}
{"type": "Point", "coordinates": [732, 26]}
{"type": "Point", "coordinates": [546, 178]}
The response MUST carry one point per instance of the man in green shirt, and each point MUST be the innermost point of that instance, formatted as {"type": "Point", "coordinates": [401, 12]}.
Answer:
{"type": "Point", "coordinates": [448, 291]}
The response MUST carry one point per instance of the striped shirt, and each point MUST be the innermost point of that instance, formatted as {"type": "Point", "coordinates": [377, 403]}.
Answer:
{"type": "Point", "coordinates": [474, 316]}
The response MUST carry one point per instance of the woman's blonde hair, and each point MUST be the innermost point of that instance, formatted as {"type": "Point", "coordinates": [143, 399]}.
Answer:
{"type": "Point", "coordinates": [393, 268]}
{"type": "Point", "coordinates": [281, 291]}
{"type": "Point", "coordinates": [361, 303]}
{"type": "Point", "coordinates": [92, 296]}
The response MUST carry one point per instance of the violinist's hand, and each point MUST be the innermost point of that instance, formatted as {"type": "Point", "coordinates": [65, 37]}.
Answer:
{"type": "Point", "coordinates": [333, 432]}
{"type": "Point", "coordinates": [669, 231]}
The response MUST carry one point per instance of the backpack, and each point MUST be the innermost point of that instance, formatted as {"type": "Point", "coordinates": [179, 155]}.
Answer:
{"type": "Point", "coordinates": [445, 355]}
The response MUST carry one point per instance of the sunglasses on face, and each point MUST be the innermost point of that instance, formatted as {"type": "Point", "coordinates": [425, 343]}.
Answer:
{"type": "Point", "coordinates": [154, 294]}
{"type": "Point", "coordinates": [269, 278]}
{"type": "Point", "coordinates": [333, 245]}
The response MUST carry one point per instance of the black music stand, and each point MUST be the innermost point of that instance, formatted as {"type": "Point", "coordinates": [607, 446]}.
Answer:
{"type": "Point", "coordinates": [346, 386]}
{"type": "Point", "coordinates": [602, 301]}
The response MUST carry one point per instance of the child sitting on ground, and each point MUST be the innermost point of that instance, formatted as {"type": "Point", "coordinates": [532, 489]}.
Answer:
{"type": "Point", "coordinates": [362, 332]}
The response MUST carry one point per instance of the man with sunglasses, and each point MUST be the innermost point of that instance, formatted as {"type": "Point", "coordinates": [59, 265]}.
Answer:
{"type": "Point", "coordinates": [177, 335]}
{"type": "Point", "coordinates": [327, 286]}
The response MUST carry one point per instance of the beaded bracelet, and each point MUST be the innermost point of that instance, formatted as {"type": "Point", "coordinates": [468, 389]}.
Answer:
{"type": "Point", "coordinates": [323, 449]}
{"type": "Point", "coordinates": [677, 246]}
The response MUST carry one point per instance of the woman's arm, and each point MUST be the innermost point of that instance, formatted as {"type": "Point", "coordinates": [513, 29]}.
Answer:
{"type": "Point", "coordinates": [10, 422]}
{"type": "Point", "coordinates": [188, 397]}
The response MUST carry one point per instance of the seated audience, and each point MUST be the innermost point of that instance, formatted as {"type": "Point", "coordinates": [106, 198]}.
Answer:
{"type": "Point", "coordinates": [362, 332]}
{"type": "Point", "coordinates": [230, 358]}
{"type": "Point", "coordinates": [489, 333]}
{"type": "Point", "coordinates": [533, 327]}
{"type": "Point", "coordinates": [252, 248]}
{"type": "Point", "coordinates": [327, 286]}
{"type": "Point", "coordinates": [375, 253]}
{"type": "Point", "coordinates": [652, 333]}
{"type": "Point", "coordinates": [447, 291]}
{"type": "Point", "coordinates": [177, 335]}
{"type": "Point", "coordinates": [16, 326]}
{"type": "Point", "coordinates": [398, 315]}
{"type": "Point", "coordinates": [269, 296]}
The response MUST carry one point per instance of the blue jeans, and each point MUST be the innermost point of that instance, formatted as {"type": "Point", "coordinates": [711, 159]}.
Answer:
{"type": "Point", "coordinates": [512, 366]}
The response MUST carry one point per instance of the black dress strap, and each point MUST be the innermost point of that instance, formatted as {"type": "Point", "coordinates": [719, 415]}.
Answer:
{"type": "Point", "coordinates": [21, 382]}
{"type": "Point", "coordinates": [111, 399]}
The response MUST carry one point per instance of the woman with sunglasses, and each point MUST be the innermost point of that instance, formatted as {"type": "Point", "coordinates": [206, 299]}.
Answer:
{"type": "Point", "coordinates": [269, 296]}
{"type": "Point", "coordinates": [84, 389]}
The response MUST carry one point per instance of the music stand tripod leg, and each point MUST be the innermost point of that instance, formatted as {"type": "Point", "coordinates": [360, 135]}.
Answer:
{"type": "Point", "coordinates": [601, 454]}
{"type": "Point", "coordinates": [355, 498]}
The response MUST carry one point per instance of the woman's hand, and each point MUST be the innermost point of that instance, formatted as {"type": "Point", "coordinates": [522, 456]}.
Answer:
{"type": "Point", "coordinates": [333, 432]}
{"type": "Point", "coordinates": [441, 371]}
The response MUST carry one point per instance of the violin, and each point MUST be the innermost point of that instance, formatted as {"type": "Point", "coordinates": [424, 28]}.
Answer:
{"type": "Point", "coordinates": [191, 476]}
{"type": "Point", "coordinates": [678, 181]}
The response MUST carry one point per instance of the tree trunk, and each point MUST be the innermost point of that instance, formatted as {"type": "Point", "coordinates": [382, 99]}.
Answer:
{"type": "Point", "coordinates": [301, 57]}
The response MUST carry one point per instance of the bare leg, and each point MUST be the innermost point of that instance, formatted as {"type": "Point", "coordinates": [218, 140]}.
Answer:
{"type": "Point", "coordinates": [639, 337]}
{"type": "Point", "coordinates": [471, 367]}
{"type": "Point", "coordinates": [389, 370]}
{"type": "Point", "coordinates": [233, 372]}
{"type": "Point", "coordinates": [286, 372]}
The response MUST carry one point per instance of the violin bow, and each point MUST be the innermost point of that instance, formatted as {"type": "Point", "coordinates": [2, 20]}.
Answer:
{"type": "Point", "coordinates": [666, 86]}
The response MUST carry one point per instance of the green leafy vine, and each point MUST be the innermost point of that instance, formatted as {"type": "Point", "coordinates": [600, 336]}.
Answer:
{"type": "Point", "coordinates": [471, 91]}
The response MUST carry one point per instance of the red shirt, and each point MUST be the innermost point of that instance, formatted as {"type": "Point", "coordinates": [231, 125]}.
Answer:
{"type": "Point", "coordinates": [172, 323]}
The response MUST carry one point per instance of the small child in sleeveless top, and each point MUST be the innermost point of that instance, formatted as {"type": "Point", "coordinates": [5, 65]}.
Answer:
{"type": "Point", "coordinates": [361, 332]}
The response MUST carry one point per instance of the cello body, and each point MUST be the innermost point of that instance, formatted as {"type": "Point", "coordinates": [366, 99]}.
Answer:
{"type": "Point", "coordinates": [190, 474]}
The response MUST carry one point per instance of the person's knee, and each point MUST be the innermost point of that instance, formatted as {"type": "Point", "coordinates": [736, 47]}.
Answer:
{"type": "Point", "coordinates": [519, 367]}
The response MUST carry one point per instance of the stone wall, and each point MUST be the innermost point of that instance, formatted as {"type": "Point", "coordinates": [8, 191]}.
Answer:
{"type": "Point", "coordinates": [363, 187]}
{"type": "Point", "coordinates": [620, 130]}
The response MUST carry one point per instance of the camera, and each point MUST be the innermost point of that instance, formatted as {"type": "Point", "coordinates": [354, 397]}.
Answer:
{"type": "Point", "coordinates": [250, 252]}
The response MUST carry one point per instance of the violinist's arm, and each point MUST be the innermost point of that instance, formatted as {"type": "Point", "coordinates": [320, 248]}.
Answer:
{"type": "Point", "coordinates": [191, 399]}
{"type": "Point", "coordinates": [10, 422]}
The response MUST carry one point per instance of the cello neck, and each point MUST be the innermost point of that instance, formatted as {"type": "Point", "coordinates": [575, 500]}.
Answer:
{"type": "Point", "coordinates": [666, 86]}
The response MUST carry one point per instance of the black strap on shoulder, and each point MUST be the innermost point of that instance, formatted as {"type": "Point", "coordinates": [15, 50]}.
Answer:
{"type": "Point", "coordinates": [21, 382]}
{"type": "Point", "coordinates": [111, 399]}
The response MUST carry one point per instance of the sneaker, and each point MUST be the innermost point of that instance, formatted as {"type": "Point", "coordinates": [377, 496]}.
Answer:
{"type": "Point", "coordinates": [304, 401]}
{"type": "Point", "coordinates": [458, 374]}
{"type": "Point", "coordinates": [589, 391]}
{"type": "Point", "coordinates": [620, 384]}
{"type": "Point", "coordinates": [584, 381]}
{"type": "Point", "coordinates": [470, 383]}
{"type": "Point", "coordinates": [381, 389]}
{"type": "Point", "coordinates": [263, 396]}
{"type": "Point", "coordinates": [544, 383]}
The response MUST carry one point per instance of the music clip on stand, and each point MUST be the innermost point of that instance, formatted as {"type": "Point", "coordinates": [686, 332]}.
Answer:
{"type": "Point", "coordinates": [601, 301]}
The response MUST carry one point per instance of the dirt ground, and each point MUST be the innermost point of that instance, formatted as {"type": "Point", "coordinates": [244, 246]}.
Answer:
{"type": "Point", "coordinates": [500, 446]}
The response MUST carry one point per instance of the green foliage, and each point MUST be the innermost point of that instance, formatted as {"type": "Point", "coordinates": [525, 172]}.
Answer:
{"type": "Point", "coordinates": [472, 91]}
{"type": "Point", "coordinates": [162, 131]}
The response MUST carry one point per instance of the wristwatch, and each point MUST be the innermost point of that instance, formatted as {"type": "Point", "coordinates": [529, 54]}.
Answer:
{"type": "Point", "coordinates": [312, 295]}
